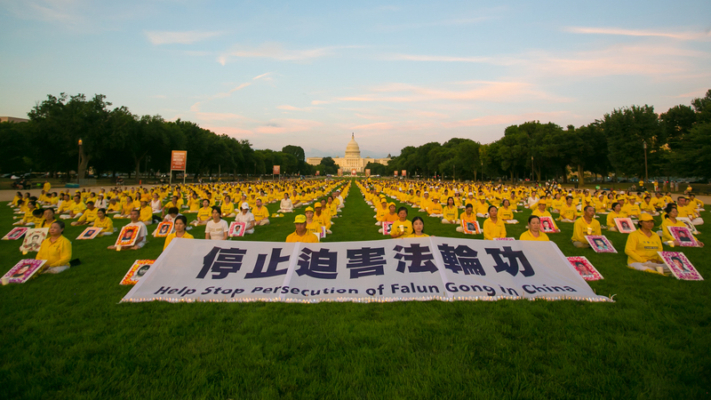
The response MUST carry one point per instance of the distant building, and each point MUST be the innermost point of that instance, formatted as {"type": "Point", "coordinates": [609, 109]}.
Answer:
{"type": "Point", "coordinates": [13, 119]}
{"type": "Point", "coordinates": [352, 160]}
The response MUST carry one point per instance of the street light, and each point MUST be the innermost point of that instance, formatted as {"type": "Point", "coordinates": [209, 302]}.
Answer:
{"type": "Point", "coordinates": [646, 176]}
{"type": "Point", "coordinates": [79, 164]}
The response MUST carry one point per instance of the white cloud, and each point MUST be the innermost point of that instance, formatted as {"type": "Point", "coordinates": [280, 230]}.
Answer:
{"type": "Point", "coordinates": [186, 37]}
{"type": "Point", "coordinates": [277, 52]}
{"type": "Point", "coordinates": [641, 33]}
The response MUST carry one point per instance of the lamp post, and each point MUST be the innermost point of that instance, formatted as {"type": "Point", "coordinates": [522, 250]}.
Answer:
{"type": "Point", "coordinates": [79, 164]}
{"type": "Point", "coordinates": [532, 170]}
{"type": "Point", "coordinates": [646, 175]}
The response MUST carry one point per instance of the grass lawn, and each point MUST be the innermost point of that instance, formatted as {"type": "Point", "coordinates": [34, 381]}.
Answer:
{"type": "Point", "coordinates": [67, 336]}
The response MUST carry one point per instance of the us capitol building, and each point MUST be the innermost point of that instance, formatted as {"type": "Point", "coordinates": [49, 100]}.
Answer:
{"type": "Point", "coordinates": [352, 160]}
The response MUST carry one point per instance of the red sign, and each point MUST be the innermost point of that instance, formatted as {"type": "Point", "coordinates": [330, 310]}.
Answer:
{"type": "Point", "coordinates": [353, 172]}
{"type": "Point", "coordinates": [318, 173]}
{"type": "Point", "coordinates": [275, 169]}
{"type": "Point", "coordinates": [178, 159]}
{"type": "Point", "coordinates": [340, 172]}
{"type": "Point", "coordinates": [395, 173]}
{"type": "Point", "coordinates": [367, 172]}
{"type": "Point", "coordinates": [404, 172]}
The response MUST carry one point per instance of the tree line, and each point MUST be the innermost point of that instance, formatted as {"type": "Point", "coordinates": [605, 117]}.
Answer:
{"type": "Point", "coordinates": [676, 143]}
{"type": "Point", "coordinates": [113, 140]}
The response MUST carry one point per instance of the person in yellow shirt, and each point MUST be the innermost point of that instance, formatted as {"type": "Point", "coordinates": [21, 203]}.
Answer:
{"type": "Point", "coordinates": [56, 249]}
{"type": "Point", "coordinates": [204, 214]}
{"type": "Point", "coordinates": [646, 206]}
{"type": "Point", "coordinates": [631, 209]}
{"type": "Point", "coordinates": [114, 207]}
{"type": "Point", "coordinates": [506, 213]}
{"type": "Point", "coordinates": [77, 208]}
{"type": "Point", "coordinates": [435, 209]}
{"type": "Point", "coordinates": [103, 222]}
{"type": "Point", "coordinates": [642, 247]}
{"type": "Point", "coordinates": [658, 201]}
{"type": "Point", "coordinates": [312, 225]}
{"type": "Point", "coordinates": [568, 210]}
{"type": "Point", "coordinates": [88, 216]}
{"type": "Point", "coordinates": [47, 219]}
{"type": "Point", "coordinates": [688, 210]}
{"type": "Point", "coordinates": [146, 213]}
{"type": "Point", "coordinates": [534, 232]}
{"type": "Point", "coordinates": [584, 226]}
{"type": "Point", "coordinates": [228, 208]}
{"type": "Point", "coordinates": [179, 225]}
{"type": "Point", "coordinates": [482, 207]}
{"type": "Point", "coordinates": [195, 204]}
{"type": "Point", "coordinates": [557, 203]}
{"type": "Point", "coordinates": [418, 229]}
{"type": "Point", "coordinates": [540, 210]}
{"type": "Point", "coordinates": [381, 211]}
{"type": "Point", "coordinates": [46, 186]}
{"type": "Point", "coordinates": [493, 226]}
{"type": "Point", "coordinates": [402, 227]}
{"type": "Point", "coordinates": [322, 217]}
{"type": "Point", "coordinates": [468, 216]}
{"type": "Point", "coordinates": [261, 213]}
{"type": "Point", "coordinates": [450, 213]}
{"type": "Point", "coordinates": [669, 220]}
{"type": "Point", "coordinates": [615, 213]}
{"type": "Point", "coordinates": [301, 234]}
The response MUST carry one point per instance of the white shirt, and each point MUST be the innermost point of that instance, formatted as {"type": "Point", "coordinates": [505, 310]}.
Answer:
{"type": "Point", "coordinates": [247, 218]}
{"type": "Point", "coordinates": [286, 204]}
{"type": "Point", "coordinates": [142, 230]}
{"type": "Point", "coordinates": [100, 203]}
{"type": "Point", "coordinates": [156, 205]}
{"type": "Point", "coordinates": [216, 230]}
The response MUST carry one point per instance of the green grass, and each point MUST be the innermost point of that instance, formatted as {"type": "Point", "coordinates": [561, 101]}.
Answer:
{"type": "Point", "coordinates": [67, 336]}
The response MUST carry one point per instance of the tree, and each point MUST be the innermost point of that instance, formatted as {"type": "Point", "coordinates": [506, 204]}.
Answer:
{"type": "Point", "coordinates": [626, 130]}
{"type": "Point", "coordinates": [14, 143]}
{"type": "Point", "coordinates": [327, 166]}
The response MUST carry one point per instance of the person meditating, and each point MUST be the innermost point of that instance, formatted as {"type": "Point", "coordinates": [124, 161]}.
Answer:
{"type": "Point", "coordinates": [246, 217]}
{"type": "Point", "coordinates": [301, 234]}
{"type": "Point", "coordinates": [418, 229]}
{"type": "Point", "coordinates": [227, 207]}
{"type": "Point", "coordinates": [180, 224]}
{"type": "Point", "coordinates": [142, 232]}
{"type": "Point", "coordinates": [584, 226]}
{"type": "Point", "coordinates": [216, 228]}
{"type": "Point", "coordinates": [450, 212]}
{"type": "Point", "coordinates": [468, 216]}
{"type": "Point", "coordinates": [286, 206]}
{"type": "Point", "coordinates": [670, 220]}
{"type": "Point", "coordinates": [101, 221]}
{"type": "Point", "coordinates": [642, 247]}
{"type": "Point", "coordinates": [402, 227]}
{"type": "Point", "coordinates": [203, 214]}
{"type": "Point", "coordinates": [261, 213]}
{"type": "Point", "coordinates": [568, 211]}
{"type": "Point", "coordinates": [534, 232]}
{"type": "Point", "coordinates": [56, 249]}
{"type": "Point", "coordinates": [506, 213]}
{"type": "Point", "coordinates": [493, 226]}
{"type": "Point", "coordinates": [615, 213]}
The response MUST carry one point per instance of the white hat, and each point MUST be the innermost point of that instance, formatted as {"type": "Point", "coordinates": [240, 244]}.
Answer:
{"type": "Point", "coordinates": [245, 206]}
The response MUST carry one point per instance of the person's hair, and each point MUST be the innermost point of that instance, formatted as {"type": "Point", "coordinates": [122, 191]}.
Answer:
{"type": "Point", "coordinates": [182, 218]}
{"type": "Point", "coordinates": [615, 204]}
{"type": "Point", "coordinates": [586, 208]}
{"type": "Point", "coordinates": [532, 217]}
{"type": "Point", "coordinates": [103, 210]}
{"type": "Point", "coordinates": [60, 223]}
{"type": "Point", "coordinates": [469, 205]}
{"type": "Point", "coordinates": [89, 202]}
{"type": "Point", "coordinates": [216, 208]}
{"type": "Point", "coordinates": [37, 212]}
{"type": "Point", "coordinates": [136, 210]}
{"type": "Point", "coordinates": [450, 198]}
{"type": "Point", "coordinates": [418, 219]}
{"type": "Point", "coordinates": [506, 201]}
{"type": "Point", "coordinates": [568, 197]}
{"type": "Point", "coordinates": [173, 210]}
{"type": "Point", "coordinates": [668, 209]}
{"type": "Point", "coordinates": [401, 209]}
{"type": "Point", "coordinates": [488, 210]}
{"type": "Point", "coordinates": [48, 209]}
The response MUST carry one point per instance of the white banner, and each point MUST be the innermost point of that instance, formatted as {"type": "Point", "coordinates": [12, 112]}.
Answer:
{"type": "Point", "coordinates": [434, 268]}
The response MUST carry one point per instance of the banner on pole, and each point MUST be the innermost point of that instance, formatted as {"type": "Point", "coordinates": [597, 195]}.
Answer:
{"type": "Point", "coordinates": [275, 169]}
{"type": "Point", "coordinates": [340, 171]}
{"type": "Point", "coordinates": [367, 172]}
{"type": "Point", "coordinates": [395, 173]}
{"type": "Point", "coordinates": [404, 172]}
{"type": "Point", "coordinates": [433, 268]}
{"type": "Point", "coordinates": [178, 160]}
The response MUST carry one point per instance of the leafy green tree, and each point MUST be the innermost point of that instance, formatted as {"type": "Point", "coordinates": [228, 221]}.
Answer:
{"type": "Point", "coordinates": [626, 130]}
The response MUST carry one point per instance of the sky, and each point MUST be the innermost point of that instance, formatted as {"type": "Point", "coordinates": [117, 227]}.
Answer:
{"type": "Point", "coordinates": [395, 74]}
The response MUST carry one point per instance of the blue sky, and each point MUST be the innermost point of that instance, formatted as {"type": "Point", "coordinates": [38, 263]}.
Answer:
{"type": "Point", "coordinates": [395, 73]}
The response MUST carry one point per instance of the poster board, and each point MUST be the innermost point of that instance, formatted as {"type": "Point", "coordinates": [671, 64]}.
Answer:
{"type": "Point", "coordinates": [625, 225]}
{"type": "Point", "coordinates": [585, 268]}
{"type": "Point", "coordinates": [127, 236]}
{"type": "Point", "coordinates": [89, 233]}
{"type": "Point", "coordinates": [471, 227]}
{"type": "Point", "coordinates": [15, 233]}
{"type": "Point", "coordinates": [237, 229]}
{"type": "Point", "coordinates": [136, 272]}
{"type": "Point", "coordinates": [33, 239]}
{"type": "Point", "coordinates": [600, 244]}
{"type": "Point", "coordinates": [23, 271]}
{"type": "Point", "coordinates": [164, 229]}
{"type": "Point", "coordinates": [680, 266]}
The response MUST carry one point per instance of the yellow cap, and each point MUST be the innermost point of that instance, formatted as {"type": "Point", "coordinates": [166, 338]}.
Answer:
{"type": "Point", "coordinates": [391, 204]}
{"type": "Point", "coordinates": [645, 217]}
{"type": "Point", "coordinates": [300, 219]}
{"type": "Point", "coordinates": [309, 209]}
{"type": "Point", "coordinates": [317, 205]}
{"type": "Point", "coordinates": [542, 202]}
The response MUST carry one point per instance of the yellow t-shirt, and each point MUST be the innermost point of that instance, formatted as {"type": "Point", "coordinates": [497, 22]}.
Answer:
{"type": "Point", "coordinates": [542, 237]}
{"type": "Point", "coordinates": [308, 237]}
{"type": "Point", "coordinates": [406, 227]}
{"type": "Point", "coordinates": [89, 215]}
{"type": "Point", "coordinates": [260, 214]}
{"type": "Point", "coordinates": [107, 224]}
{"type": "Point", "coordinates": [611, 218]}
{"type": "Point", "coordinates": [580, 229]}
{"type": "Point", "coordinates": [568, 212]}
{"type": "Point", "coordinates": [57, 254]}
{"type": "Point", "coordinates": [450, 213]}
{"type": "Point", "coordinates": [666, 223]}
{"type": "Point", "coordinates": [494, 230]}
{"type": "Point", "coordinates": [413, 235]}
{"type": "Point", "coordinates": [229, 208]}
{"type": "Point", "coordinates": [204, 214]}
{"type": "Point", "coordinates": [172, 236]}
{"type": "Point", "coordinates": [505, 214]}
{"type": "Point", "coordinates": [640, 248]}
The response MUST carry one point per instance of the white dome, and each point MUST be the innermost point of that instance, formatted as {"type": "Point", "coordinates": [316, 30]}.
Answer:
{"type": "Point", "coordinates": [352, 150]}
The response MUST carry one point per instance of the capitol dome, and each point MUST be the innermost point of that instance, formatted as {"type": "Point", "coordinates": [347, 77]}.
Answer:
{"type": "Point", "coordinates": [352, 150]}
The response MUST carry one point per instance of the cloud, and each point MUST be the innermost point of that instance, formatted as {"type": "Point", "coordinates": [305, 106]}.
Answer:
{"type": "Point", "coordinates": [278, 126]}
{"type": "Point", "coordinates": [209, 116]}
{"type": "Point", "coordinates": [187, 37]}
{"type": "Point", "coordinates": [277, 52]}
{"type": "Point", "coordinates": [703, 36]}
{"type": "Point", "coordinates": [505, 119]}
{"type": "Point", "coordinates": [262, 76]}
{"type": "Point", "coordinates": [435, 58]}
{"type": "Point", "coordinates": [292, 108]}
{"type": "Point", "coordinates": [318, 102]}
{"type": "Point", "coordinates": [485, 91]}
{"type": "Point", "coordinates": [229, 93]}
{"type": "Point", "coordinates": [66, 12]}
